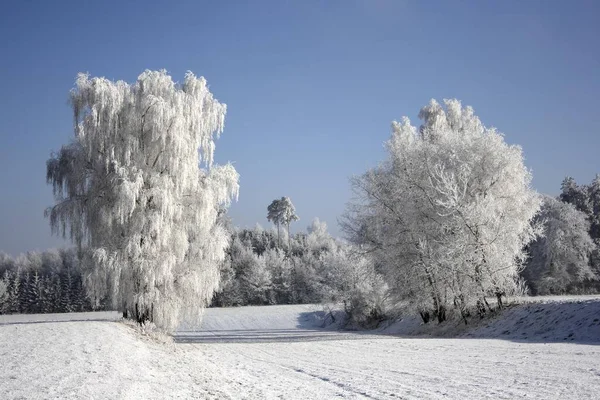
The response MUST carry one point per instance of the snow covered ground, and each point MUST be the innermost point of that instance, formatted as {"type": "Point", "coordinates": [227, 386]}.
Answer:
{"type": "Point", "coordinates": [282, 352]}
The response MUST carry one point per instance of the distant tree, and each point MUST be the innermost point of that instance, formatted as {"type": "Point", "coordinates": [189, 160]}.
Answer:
{"type": "Point", "coordinates": [318, 239]}
{"type": "Point", "coordinates": [280, 270]}
{"type": "Point", "coordinates": [57, 295]}
{"type": "Point", "coordinates": [5, 302]}
{"type": "Point", "coordinates": [25, 292]}
{"type": "Point", "coordinates": [47, 293]}
{"type": "Point", "coordinates": [288, 214]}
{"type": "Point", "coordinates": [53, 260]}
{"type": "Point", "coordinates": [15, 295]}
{"type": "Point", "coordinates": [559, 260]}
{"type": "Point", "coordinates": [6, 263]}
{"type": "Point", "coordinates": [130, 189]}
{"type": "Point", "coordinates": [315, 268]}
{"type": "Point", "coordinates": [274, 215]}
{"type": "Point", "coordinates": [594, 206]}
{"type": "Point", "coordinates": [36, 297]}
{"type": "Point", "coordinates": [282, 212]}
{"type": "Point", "coordinates": [574, 194]}
{"type": "Point", "coordinates": [586, 198]}
{"type": "Point", "coordinates": [67, 291]}
{"type": "Point", "coordinates": [255, 278]}
{"type": "Point", "coordinates": [3, 294]}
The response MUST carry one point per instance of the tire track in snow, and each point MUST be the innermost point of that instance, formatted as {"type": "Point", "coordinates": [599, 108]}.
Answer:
{"type": "Point", "coordinates": [321, 378]}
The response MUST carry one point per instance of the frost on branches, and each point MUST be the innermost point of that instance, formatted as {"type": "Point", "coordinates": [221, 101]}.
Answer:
{"type": "Point", "coordinates": [282, 212]}
{"type": "Point", "coordinates": [131, 193]}
{"type": "Point", "coordinates": [560, 260]}
{"type": "Point", "coordinates": [448, 214]}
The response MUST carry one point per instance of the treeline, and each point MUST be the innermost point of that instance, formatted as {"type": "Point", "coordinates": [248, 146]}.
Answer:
{"type": "Point", "coordinates": [46, 282]}
{"type": "Point", "coordinates": [265, 267]}
{"type": "Point", "coordinates": [565, 259]}
{"type": "Point", "coordinates": [262, 268]}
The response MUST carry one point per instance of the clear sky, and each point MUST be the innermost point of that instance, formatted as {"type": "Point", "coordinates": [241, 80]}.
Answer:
{"type": "Point", "coordinates": [311, 87]}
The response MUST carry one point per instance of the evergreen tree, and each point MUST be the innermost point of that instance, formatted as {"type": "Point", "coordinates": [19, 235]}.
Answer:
{"type": "Point", "coordinates": [67, 290]}
{"type": "Point", "coordinates": [25, 293]}
{"type": "Point", "coordinates": [574, 194]}
{"type": "Point", "coordinates": [46, 294]}
{"type": "Point", "coordinates": [57, 295]}
{"type": "Point", "coordinates": [36, 297]}
{"type": "Point", "coordinates": [15, 293]}
{"type": "Point", "coordinates": [3, 294]}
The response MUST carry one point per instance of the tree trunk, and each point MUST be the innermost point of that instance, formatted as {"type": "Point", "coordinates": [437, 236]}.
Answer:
{"type": "Point", "coordinates": [278, 237]}
{"type": "Point", "coordinates": [499, 298]}
{"type": "Point", "coordinates": [480, 309]}
{"type": "Point", "coordinates": [441, 313]}
{"type": "Point", "coordinates": [460, 303]}
{"type": "Point", "coordinates": [479, 281]}
{"type": "Point", "coordinates": [142, 315]}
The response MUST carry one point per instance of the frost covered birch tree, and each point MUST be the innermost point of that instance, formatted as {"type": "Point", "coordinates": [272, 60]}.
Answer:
{"type": "Point", "coordinates": [447, 214]}
{"type": "Point", "coordinates": [131, 192]}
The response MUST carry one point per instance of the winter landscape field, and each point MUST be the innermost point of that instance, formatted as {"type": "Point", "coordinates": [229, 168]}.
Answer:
{"type": "Point", "coordinates": [362, 199]}
{"type": "Point", "coordinates": [282, 352]}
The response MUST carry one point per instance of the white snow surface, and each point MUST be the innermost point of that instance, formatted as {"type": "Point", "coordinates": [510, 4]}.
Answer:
{"type": "Point", "coordinates": [547, 319]}
{"type": "Point", "coordinates": [282, 352]}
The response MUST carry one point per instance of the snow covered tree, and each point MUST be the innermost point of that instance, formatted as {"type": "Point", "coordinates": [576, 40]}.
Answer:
{"type": "Point", "coordinates": [574, 194]}
{"type": "Point", "coordinates": [318, 239]}
{"type": "Point", "coordinates": [586, 198]}
{"type": "Point", "coordinates": [3, 294]}
{"type": "Point", "coordinates": [288, 214]}
{"type": "Point", "coordinates": [131, 190]}
{"type": "Point", "coordinates": [448, 214]}
{"type": "Point", "coordinates": [67, 292]}
{"type": "Point", "coordinates": [282, 212]}
{"type": "Point", "coordinates": [274, 215]}
{"type": "Point", "coordinates": [245, 277]}
{"type": "Point", "coordinates": [15, 293]}
{"type": "Point", "coordinates": [57, 295]}
{"type": "Point", "coordinates": [5, 304]}
{"type": "Point", "coordinates": [594, 206]}
{"type": "Point", "coordinates": [36, 296]}
{"type": "Point", "coordinates": [560, 258]}
{"type": "Point", "coordinates": [280, 270]}
{"type": "Point", "coordinates": [48, 304]}
{"type": "Point", "coordinates": [6, 263]}
{"type": "Point", "coordinates": [254, 277]}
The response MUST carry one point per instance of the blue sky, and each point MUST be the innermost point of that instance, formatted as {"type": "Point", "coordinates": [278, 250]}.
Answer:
{"type": "Point", "coordinates": [311, 87]}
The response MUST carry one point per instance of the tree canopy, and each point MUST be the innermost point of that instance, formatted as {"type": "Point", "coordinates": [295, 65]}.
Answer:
{"type": "Point", "coordinates": [449, 211]}
{"type": "Point", "coordinates": [130, 190]}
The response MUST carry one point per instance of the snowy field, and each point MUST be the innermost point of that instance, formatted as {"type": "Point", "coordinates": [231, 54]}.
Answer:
{"type": "Point", "coordinates": [281, 352]}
